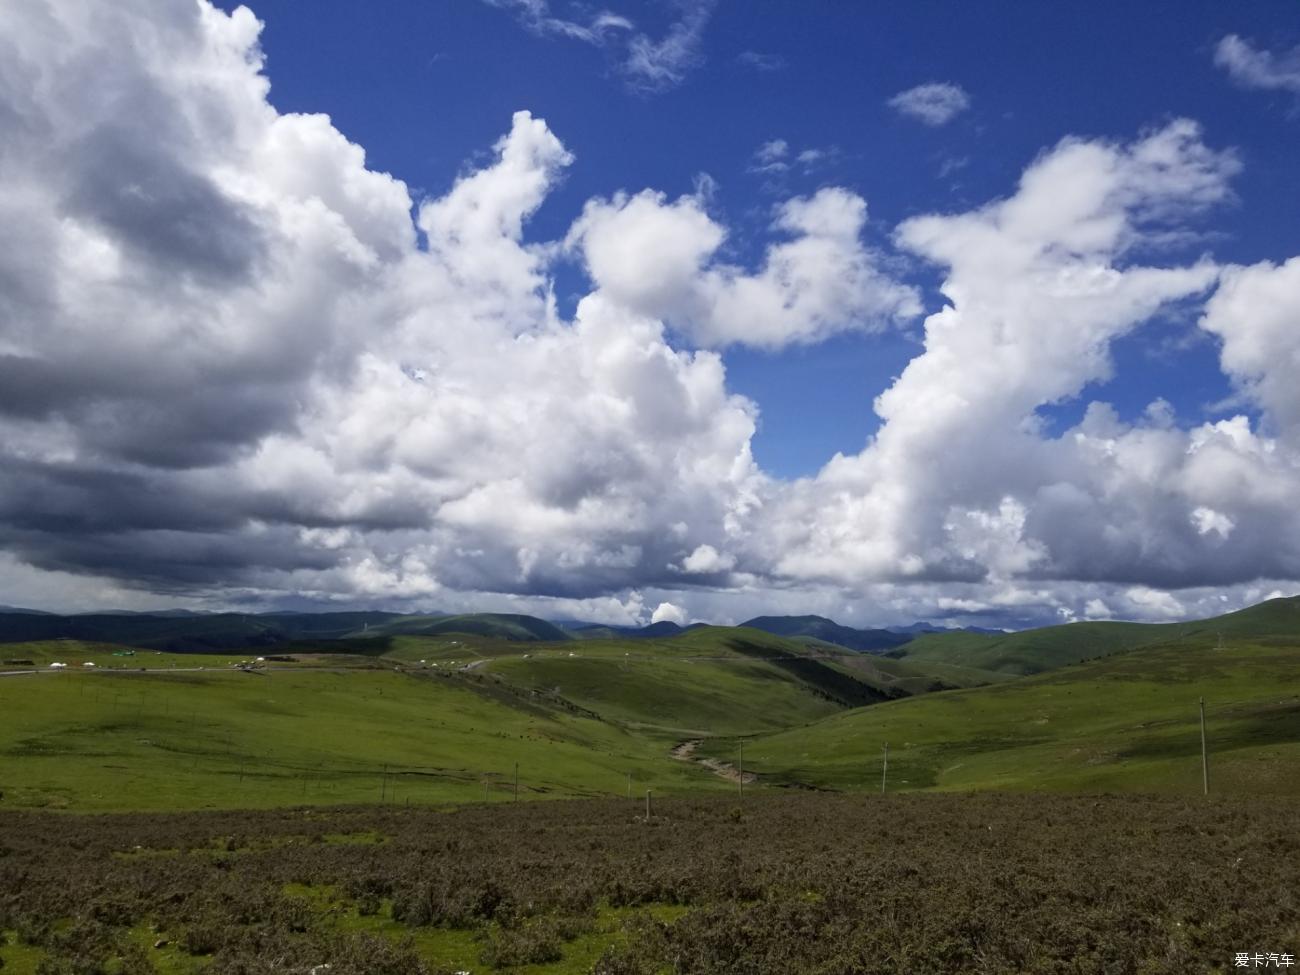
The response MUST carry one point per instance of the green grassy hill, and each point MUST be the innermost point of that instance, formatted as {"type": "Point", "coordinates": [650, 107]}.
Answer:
{"type": "Point", "coordinates": [1122, 722]}
{"type": "Point", "coordinates": [989, 657]}
{"type": "Point", "coordinates": [986, 657]}
{"type": "Point", "coordinates": [438, 716]}
{"type": "Point", "coordinates": [445, 714]}
{"type": "Point", "coordinates": [710, 680]}
{"type": "Point", "coordinates": [222, 738]}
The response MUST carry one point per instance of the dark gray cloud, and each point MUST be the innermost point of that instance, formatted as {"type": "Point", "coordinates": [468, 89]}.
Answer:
{"type": "Point", "coordinates": [171, 219]}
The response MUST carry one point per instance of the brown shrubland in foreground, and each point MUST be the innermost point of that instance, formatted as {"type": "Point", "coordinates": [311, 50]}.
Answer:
{"type": "Point", "coordinates": [788, 884]}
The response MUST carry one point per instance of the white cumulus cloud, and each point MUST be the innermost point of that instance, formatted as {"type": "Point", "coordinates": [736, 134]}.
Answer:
{"type": "Point", "coordinates": [658, 258]}
{"type": "Point", "coordinates": [934, 103]}
{"type": "Point", "coordinates": [1252, 67]}
{"type": "Point", "coordinates": [233, 368]}
{"type": "Point", "coordinates": [706, 560]}
{"type": "Point", "coordinates": [668, 613]}
{"type": "Point", "coordinates": [960, 484]}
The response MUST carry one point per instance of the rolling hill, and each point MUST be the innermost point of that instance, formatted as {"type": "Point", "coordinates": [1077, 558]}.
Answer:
{"type": "Point", "coordinates": [441, 711]}
{"type": "Point", "coordinates": [991, 657]}
{"type": "Point", "coordinates": [701, 683]}
{"type": "Point", "coordinates": [1123, 721]}
{"type": "Point", "coordinates": [438, 716]}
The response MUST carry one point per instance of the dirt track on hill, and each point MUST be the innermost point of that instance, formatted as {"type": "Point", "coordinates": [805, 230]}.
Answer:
{"type": "Point", "coordinates": [685, 752]}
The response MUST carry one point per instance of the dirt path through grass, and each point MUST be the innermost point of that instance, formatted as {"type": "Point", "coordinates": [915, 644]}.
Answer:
{"type": "Point", "coordinates": [685, 752]}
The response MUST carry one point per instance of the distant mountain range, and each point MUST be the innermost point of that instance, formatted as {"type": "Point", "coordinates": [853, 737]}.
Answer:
{"type": "Point", "coordinates": [980, 654]}
{"type": "Point", "coordinates": [918, 628]}
{"type": "Point", "coordinates": [174, 631]}
{"type": "Point", "coordinates": [186, 630]}
{"type": "Point", "coordinates": [828, 631]}
{"type": "Point", "coordinates": [865, 640]}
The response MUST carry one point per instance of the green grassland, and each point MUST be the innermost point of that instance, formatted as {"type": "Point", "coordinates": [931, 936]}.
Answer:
{"type": "Point", "coordinates": [444, 717]}
{"type": "Point", "coordinates": [76, 654]}
{"type": "Point", "coordinates": [990, 657]}
{"type": "Point", "coordinates": [673, 696]}
{"type": "Point", "coordinates": [405, 718]}
{"type": "Point", "coordinates": [227, 738]}
{"type": "Point", "coordinates": [709, 681]}
{"type": "Point", "coordinates": [1126, 722]}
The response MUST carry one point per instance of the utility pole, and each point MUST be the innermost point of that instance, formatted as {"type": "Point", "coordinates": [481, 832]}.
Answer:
{"type": "Point", "coordinates": [884, 769]}
{"type": "Point", "coordinates": [516, 781]}
{"type": "Point", "coordinates": [383, 789]}
{"type": "Point", "coordinates": [740, 779]}
{"type": "Point", "coordinates": [1205, 755]}
{"type": "Point", "coordinates": [647, 805]}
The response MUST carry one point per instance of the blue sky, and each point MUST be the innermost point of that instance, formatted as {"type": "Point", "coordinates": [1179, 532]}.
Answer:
{"type": "Point", "coordinates": [426, 86]}
{"type": "Point", "coordinates": [651, 310]}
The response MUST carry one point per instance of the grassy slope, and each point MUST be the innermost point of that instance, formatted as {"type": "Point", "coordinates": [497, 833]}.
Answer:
{"type": "Point", "coordinates": [323, 730]}
{"type": "Point", "coordinates": [1125, 722]}
{"type": "Point", "coordinates": [906, 676]}
{"type": "Point", "coordinates": [989, 657]}
{"type": "Point", "coordinates": [579, 716]}
{"type": "Point", "coordinates": [119, 740]}
{"type": "Point", "coordinates": [714, 680]}
{"type": "Point", "coordinates": [75, 653]}
{"type": "Point", "coordinates": [671, 694]}
{"type": "Point", "coordinates": [706, 682]}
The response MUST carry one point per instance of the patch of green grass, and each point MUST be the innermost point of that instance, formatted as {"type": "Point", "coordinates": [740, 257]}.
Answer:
{"type": "Point", "coordinates": [462, 949]}
{"type": "Point", "coordinates": [18, 958]}
{"type": "Point", "coordinates": [171, 958]}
